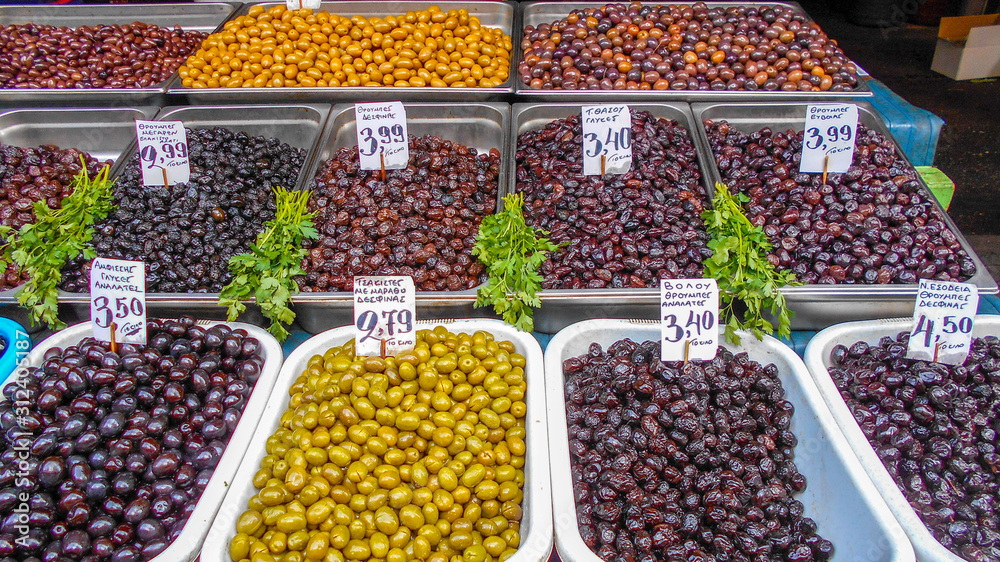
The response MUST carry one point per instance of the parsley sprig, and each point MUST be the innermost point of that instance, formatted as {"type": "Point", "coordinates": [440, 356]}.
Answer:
{"type": "Point", "coordinates": [268, 271]}
{"type": "Point", "coordinates": [512, 252]}
{"type": "Point", "coordinates": [739, 263]}
{"type": "Point", "coordinates": [40, 249]}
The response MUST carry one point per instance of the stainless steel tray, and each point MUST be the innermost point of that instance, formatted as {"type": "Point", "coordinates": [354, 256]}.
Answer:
{"type": "Point", "coordinates": [535, 13]}
{"type": "Point", "coordinates": [492, 13]}
{"type": "Point", "coordinates": [562, 307]}
{"type": "Point", "coordinates": [104, 133]}
{"type": "Point", "coordinates": [206, 17]}
{"type": "Point", "coordinates": [819, 306]}
{"type": "Point", "coordinates": [298, 125]}
{"type": "Point", "coordinates": [479, 125]}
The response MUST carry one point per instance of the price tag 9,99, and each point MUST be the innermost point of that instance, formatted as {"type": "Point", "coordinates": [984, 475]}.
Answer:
{"type": "Point", "coordinates": [943, 318]}
{"type": "Point", "coordinates": [689, 311]}
{"type": "Point", "coordinates": [118, 300]}
{"type": "Point", "coordinates": [382, 139]}
{"type": "Point", "coordinates": [828, 142]}
{"type": "Point", "coordinates": [607, 139]}
{"type": "Point", "coordinates": [384, 315]}
{"type": "Point", "coordinates": [163, 150]}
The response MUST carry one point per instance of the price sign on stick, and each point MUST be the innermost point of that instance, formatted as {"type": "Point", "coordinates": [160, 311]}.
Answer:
{"type": "Point", "coordinates": [607, 139]}
{"type": "Point", "coordinates": [384, 315]}
{"type": "Point", "coordinates": [828, 144]}
{"type": "Point", "coordinates": [382, 140]}
{"type": "Point", "coordinates": [118, 300]}
{"type": "Point", "coordinates": [689, 311]}
{"type": "Point", "coordinates": [163, 151]}
{"type": "Point", "coordinates": [943, 316]}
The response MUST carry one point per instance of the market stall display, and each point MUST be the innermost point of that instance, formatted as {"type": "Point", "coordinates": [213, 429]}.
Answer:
{"type": "Point", "coordinates": [923, 431]}
{"type": "Point", "coordinates": [127, 447]}
{"type": "Point", "coordinates": [372, 227]}
{"type": "Point", "coordinates": [391, 502]}
{"type": "Point", "coordinates": [837, 497]}
{"type": "Point", "coordinates": [89, 53]}
{"type": "Point", "coordinates": [407, 49]}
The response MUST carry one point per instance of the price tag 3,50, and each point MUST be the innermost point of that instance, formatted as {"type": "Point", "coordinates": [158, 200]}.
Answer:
{"type": "Point", "coordinates": [943, 319]}
{"type": "Point", "coordinates": [382, 140]}
{"type": "Point", "coordinates": [163, 150]}
{"type": "Point", "coordinates": [607, 139]}
{"type": "Point", "coordinates": [689, 309]}
{"type": "Point", "coordinates": [384, 315]}
{"type": "Point", "coordinates": [118, 300]}
{"type": "Point", "coordinates": [828, 144]}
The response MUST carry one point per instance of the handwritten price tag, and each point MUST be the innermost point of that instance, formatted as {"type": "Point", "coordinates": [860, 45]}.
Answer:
{"type": "Point", "coordinates": [163, 150]}
{"type": "Point", "coordinates": [830, 132]}
{"type": "Point", "coordinates": [944, 314]}
{"type": "Point", "coordinates": [118, 298]}
{"type": "Point", "coordinates": [689, 310]}
{"type": "Point", "coordinates": [607, 136]}
{"type": "Point", "coordinates": [384, 313]}
{"type": "Point", "coordinates": [382, 138]}
{"type": "Point", "coordinates": [303, 4]}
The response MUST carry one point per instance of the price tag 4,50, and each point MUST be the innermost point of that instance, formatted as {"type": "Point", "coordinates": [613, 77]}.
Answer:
{"type": "Point", "coordinates": [163, 150]}
{"type": "Point", "coordinates": [384, 315]}
{"type": "Point", "coordinates": [828, 142]}
{"type": "Point", "coordinates": [689, 310]}
{"type": "Point", "coordinates": [118, 300]}
{"type": "Point", "coordinates": [943, 317]}
{"type": "Point", "coordinates": [382, 140]}
{"type": "Point", "coordinates": [607, 139]}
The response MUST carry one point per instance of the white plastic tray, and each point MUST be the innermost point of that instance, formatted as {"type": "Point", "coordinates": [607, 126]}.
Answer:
{"type": "Point", "coordinates": [838, 495]}
{"type": "Point", "coordinates": [818, 361]}
{"type": "Point", "coordinates": [188, 544]}
{"type": "Point", "coordinates": [536, 523]}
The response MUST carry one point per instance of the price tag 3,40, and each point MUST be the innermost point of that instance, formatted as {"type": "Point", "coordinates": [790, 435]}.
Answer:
{"type": "Point", "coordinates": [943, 318]}
{"type": "Point", "coordinates": [163, 150]}
{"type": "Point", "coordinates": [828, 144]}
{"type": "Point", "coordinates": [118, 300]}
{"type": "Point", "coordinates": [689, 310]}
{"type": "Point", "coordinates": [384, 315]}
{"type": "Point", "coordinates": [382, 140]}
{"type": "Point", "coordinates": [607, 139]}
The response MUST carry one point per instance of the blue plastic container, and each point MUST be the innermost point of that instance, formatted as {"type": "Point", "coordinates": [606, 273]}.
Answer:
{"type": "Point", "coordinates": [915, 130]}
{"type": "Point", "coordinates": [18, 346]}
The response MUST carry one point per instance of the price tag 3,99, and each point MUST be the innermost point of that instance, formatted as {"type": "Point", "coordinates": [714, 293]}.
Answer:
{"type": "Point", "coordinates": [607, 136]}
{"type": "Point", "coordinates": [384, 315]}
{"type": "Point", "coordinates": [382, 138]}
{"type": "Point", "coordinates": [943, 318]}
{"type": "Point", "coordinates": [163, 150]}
{"type": "Point", "coordinates": [689, 309]}
{"type": "Point", "coordinates": [828, 144]}
{"type": "Point", "coordinates": [118, 300]}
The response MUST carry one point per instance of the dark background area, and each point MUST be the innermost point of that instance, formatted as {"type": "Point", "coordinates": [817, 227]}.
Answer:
{"type": "Point", "coordinates": [900, 56]}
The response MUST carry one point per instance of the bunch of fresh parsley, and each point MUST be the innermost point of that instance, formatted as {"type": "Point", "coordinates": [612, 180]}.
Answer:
{"type": "Point", "coordinates": [739, 263]}
{"type": "Point", "coordinates": [512, 252]}
{"type": "Point", "coordinates": [40, 249]}
{"type": "Point", "coordinates": [268, 272]}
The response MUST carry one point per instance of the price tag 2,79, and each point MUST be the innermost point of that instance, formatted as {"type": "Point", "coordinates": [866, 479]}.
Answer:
{"type": "Point", "coordinates": [118, 300]}
{"type": "Point", "coordinates": [384, 315]}
{"type": "Point", "coordinates": [607, 137]}
{"type": "Point", "coordinates": [943, 317]}
{"type": "Point", "coordinates": [382, 138]}
{"type": "Point", "coordinates": [163, 150]}
{"type": "Point", "coordinates": [689, 310]}
{"type": "Point", "coordinates": [828, 144]}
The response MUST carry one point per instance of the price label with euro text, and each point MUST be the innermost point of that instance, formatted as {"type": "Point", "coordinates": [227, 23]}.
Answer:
{"type": "Point", "coordinates": [118, 300]}
{"type": "Point", "coordinates": [384, 315]}
{"type": "Point", "coordinates": [689, 312]}
{"type": "Point", "coordinates": [943, 320]}
{"type": "Point", "coordinates": [163, 152]}
{"type": "Point", "coordinates": [382, 138]}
